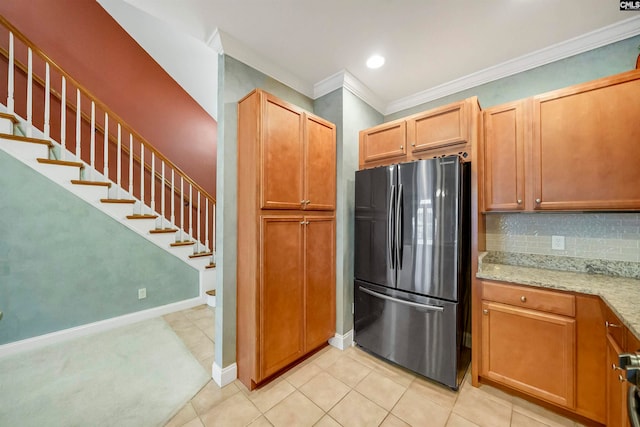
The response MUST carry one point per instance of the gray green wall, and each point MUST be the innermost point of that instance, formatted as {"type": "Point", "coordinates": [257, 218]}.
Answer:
{"type": "Point", "coordinates": [601, 62]}
{"type": "Point", "coordinates": [235, 80]}
{"type": "Point", "coordinates": [63, 263]}
{"type": "Point", "coordinates": [350, 114]}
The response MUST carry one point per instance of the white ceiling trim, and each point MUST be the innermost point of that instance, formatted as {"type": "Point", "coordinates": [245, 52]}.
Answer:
{"type": "Point", "coordinates": [222, 42]}
{"type": "Point", "coordinates": [344, 79]}
{"type": "Point", "coordinates": [603, 36]}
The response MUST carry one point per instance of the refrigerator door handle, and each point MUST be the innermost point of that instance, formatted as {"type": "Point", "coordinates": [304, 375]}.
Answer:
{"type": "Point", "coordinates": [401, 301]}
{"type": "Point", "coordinates": [390, 227]}
{"type": "Point", "coordinates": [399, 212]}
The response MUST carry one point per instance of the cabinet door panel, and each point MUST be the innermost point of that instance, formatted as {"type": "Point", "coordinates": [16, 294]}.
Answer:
{"type": "Point", "coordinates": [282, 155]}
{"type": "Point", "coordinates": [585, 146]}
{"type": "Point", "coordinates": [530, 351]}
{"type": "Point", "coordinates": [437, 128]}
{"type": "Point", "coordinates": [281, 293]}
{"type": "Point", "coordinates": [383, 142]}
{"type": "Point", "coordinates": [320, 301]}
{"type": "Point", "coordinates": [320, 161]}
{"type": "Point", "coordinates": [504, 157]}
{"type": "Point", "coordinates": [616, 388]}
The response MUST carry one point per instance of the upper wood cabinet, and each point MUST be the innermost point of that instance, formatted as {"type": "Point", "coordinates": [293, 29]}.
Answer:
{"type": "Point", "coordinates": [504, 156]}
{"type": "Point", "coordinates": [586, 148]}
{"type": "Point", "coordinates": [319, 162]}
{"type": "Point", "coordinates": [282, 154]}
{"type": "Point", "coordinates": [383, 143]}
{"type": "Point", "coordinates": [437, 128]}
{"type": "Point", "coordinates": [572, 149]}
{"type": "Point", "coordinates": [296, 149]}
{"type": "Point", "coordinates": [438, 132]}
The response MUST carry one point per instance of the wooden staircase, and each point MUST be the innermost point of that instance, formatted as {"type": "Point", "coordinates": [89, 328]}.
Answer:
{"type": "Point", "coordinates": [91, 186]}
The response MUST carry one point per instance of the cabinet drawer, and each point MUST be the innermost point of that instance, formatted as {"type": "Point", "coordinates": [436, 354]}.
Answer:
{"type": "Point", "coordinates": [535, 299]}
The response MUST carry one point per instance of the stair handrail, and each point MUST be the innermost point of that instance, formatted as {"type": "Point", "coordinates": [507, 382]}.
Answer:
{"type": "Point", "coordinates": [191, 184]}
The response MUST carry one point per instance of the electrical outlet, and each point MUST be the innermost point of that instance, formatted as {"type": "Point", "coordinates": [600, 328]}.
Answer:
{"type": "Point", "coordinates": [557, 243]}
{"type": "Point", "coordinates": [142, 293]}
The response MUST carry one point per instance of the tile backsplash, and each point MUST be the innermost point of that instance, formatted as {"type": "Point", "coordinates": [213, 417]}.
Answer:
{"type": "Point", "coordinates": [606, 236]}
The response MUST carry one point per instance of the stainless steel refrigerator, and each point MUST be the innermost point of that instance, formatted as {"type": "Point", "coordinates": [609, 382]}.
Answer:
{"type": "Point", "coordinates": [412, 265]}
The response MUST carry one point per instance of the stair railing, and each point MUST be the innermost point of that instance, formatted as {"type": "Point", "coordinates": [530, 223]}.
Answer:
{"type": "Point", "coordinates": [113, 144]}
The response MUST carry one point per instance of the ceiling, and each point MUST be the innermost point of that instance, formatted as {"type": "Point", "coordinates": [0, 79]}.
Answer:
{"type": "Point", "coordinates": [426, 43]}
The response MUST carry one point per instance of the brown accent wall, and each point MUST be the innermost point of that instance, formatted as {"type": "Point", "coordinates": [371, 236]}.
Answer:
{"type": "Point", "coordinates": [83, 39]}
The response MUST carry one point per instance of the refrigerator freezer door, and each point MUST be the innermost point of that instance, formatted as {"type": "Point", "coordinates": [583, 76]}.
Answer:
{"type": "Point", "coordinates": [428, 232]}
{"type": "Point", "coordinates": [416, 332]}
{"type": "Point", "coordinates": [375, 225]}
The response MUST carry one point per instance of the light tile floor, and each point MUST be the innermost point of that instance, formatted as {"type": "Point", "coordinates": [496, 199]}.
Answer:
{"type": "Point", "coordinates": [343, 388]}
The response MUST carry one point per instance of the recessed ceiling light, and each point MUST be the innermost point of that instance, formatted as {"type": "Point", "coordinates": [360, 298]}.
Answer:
{"type": "Point", "coordinates": [375, 61]}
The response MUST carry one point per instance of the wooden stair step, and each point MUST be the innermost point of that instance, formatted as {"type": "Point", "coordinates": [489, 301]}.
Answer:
{"type": "Point", "coordinates": [11, 117]}
{"type": "Point", "coordinates": [20, 138]}
{"type": "Point", "coordinates": [145, 216]}
{"type": "Point", "coordinates": [201, 254]}
{"type": "Point", "coordinates": [131, 201]}
{"type": "Point", "coordinates": [185, 243]}
{"type": "Point", "coordinates": [61, 163]}
{"type": "Point", "coordinates": [96, 183]}
{"type": "Point", "coordinates": [212, 265]}
{"type": "Point", "coordinates": [163, 230]}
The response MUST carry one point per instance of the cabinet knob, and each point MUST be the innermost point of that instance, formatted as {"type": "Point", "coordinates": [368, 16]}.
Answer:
{"type": "Point", "coordinates": [302, 202]}
{"type": "Point", "coordinates": [538, 201]}
{"type": "Point", "coordinates": [519, 201]}
{"type": "Point", "coordinates": [306, 202]}
{"type": "Point", "coordinates": [615, 368]}
{"type": "Point", "coordinates": [413, 144]}
{"type": "Point", "coordinates": [485, 311]}
{"type": "Point", "coordinates": [621, 378]}
{"type": "Point", "coordinates": [611, 325]}
{"type": "Point", "coordinates": [523, 298]}
{"type": "Point", "coordinates": [401, 147]}
{"type": "Point", "coordinates": [302, 223]}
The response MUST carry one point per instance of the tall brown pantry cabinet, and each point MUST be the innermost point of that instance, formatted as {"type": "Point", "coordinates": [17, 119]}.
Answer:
{"type": "Point", "coordinates": [286, 235]}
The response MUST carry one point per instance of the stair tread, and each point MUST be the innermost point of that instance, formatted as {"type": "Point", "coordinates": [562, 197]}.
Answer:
{"type": "Point", "coordinates": [201, 254]}
{"type": "Point", "coordinates": [11, 117]}
{"type": "Point", "coordinates": [212, 265]}
{"type": "Point", "coordinates": [97, 183]}
{"type": "Point", "coordinates": [131, 201]}
{"type": "Point", "coordinates": [61, 162]}
{"type": "Point", "coordinates": [145, 216]}
{"type": "Point", "coordinates": [20, 138]}
{"type": "Point", "coordinates": [163, 230]}
{"type": "Point", "coordinates": [185, 243]}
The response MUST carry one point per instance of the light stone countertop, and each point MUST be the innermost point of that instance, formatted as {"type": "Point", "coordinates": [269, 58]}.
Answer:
{"type": "Point", "coordinates": [621, 294]}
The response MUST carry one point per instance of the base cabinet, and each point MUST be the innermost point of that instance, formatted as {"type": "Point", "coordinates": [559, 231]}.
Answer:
{"type": "Point", "coordinates": [529, 350]}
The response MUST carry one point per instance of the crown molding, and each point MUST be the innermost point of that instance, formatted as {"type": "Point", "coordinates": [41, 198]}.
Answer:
{"type": "Point", "coordinates": [224, 43]}
{"type": "Point", "coordinates": [592, 40]}
{"type": "Point", "coordinates": [344, 79]}
{"type": "Point", "coordinates": [215, 42]}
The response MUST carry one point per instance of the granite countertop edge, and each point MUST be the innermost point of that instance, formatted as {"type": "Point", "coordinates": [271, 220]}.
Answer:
{"type": "Point", "coordinates": [621, 294]}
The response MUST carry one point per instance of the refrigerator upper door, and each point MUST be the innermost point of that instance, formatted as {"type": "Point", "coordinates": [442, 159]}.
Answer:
{"type": "Point", "coordinates": [428, 232]}
{"type": "Point", "coordinates": [374, 248]}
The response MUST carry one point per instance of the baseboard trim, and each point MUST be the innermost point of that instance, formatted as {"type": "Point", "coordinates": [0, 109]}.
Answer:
{"type": "Point", "coordinates": [100, 326]}
{"type": "Point", "coordinates": [224, 376]}
{"type": "Point", "coordinates": [342, 342]}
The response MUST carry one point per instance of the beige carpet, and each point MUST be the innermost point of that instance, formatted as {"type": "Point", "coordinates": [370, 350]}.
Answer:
{"type": "Point", "coordinates": [138, 375]}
